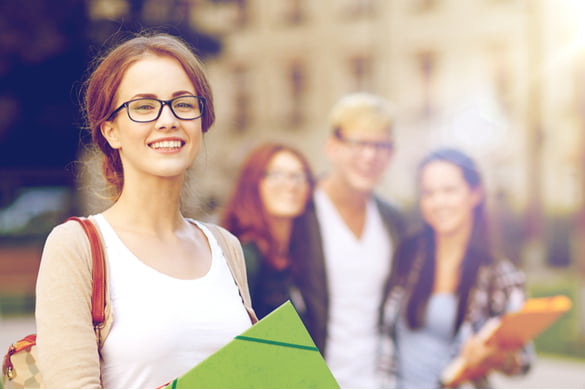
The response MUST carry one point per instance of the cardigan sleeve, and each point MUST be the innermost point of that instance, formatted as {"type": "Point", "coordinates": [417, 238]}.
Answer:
{"type": "Point", "coordinates": [66, 342]}
{"type": "Point", "coordinates": [511, 283]}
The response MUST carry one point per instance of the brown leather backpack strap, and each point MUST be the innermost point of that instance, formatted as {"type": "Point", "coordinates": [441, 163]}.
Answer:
{"type": "Point", "coordinates": [98, 294]}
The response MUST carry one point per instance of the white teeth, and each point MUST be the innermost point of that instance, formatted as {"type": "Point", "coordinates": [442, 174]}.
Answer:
{"type": "Point", "coordinates": [166, 144]}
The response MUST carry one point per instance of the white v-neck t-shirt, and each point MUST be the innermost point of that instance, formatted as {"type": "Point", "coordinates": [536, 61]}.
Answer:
{"type": "Point", "coordinates": [356, 270]}
{"type": "Point", "coordinates": [164, 326]}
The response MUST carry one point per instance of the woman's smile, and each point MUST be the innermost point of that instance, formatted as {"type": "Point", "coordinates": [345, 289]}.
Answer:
{"type": "Point", "coordinates": [167, 145]}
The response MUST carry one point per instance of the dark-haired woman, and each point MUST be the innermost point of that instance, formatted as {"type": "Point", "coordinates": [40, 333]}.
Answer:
{"type": "Point", "coordinates": [447, 282]}
{"type": "Point", "coordinates": [272, 190]}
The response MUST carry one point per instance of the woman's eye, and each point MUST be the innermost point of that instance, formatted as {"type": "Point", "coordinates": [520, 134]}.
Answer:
{"type": "Point", "coordinates": [144, 107]}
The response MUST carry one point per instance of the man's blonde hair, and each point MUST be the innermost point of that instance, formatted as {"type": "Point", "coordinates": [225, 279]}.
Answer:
{"type": "Point", "coordinates": [363, 111]}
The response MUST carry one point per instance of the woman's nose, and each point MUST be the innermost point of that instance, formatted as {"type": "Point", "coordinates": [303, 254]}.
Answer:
{"type": "Point", "coordinates": [167, 118]}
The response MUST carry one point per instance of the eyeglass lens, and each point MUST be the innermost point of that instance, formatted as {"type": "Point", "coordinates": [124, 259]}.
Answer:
{"type": "Point", "coordinates": [282, 177]}
{"type": "Point", "coordinates": [357, 144]}
{"type": "Point", "coordinates": [377, 146]}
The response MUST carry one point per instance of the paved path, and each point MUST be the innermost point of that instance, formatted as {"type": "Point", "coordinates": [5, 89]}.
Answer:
{"type": "Point", "coordinates": [547, 373]}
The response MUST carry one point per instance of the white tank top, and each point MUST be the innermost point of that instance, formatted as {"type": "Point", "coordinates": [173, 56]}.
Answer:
{"type": "Point", "coordinates": [164, 326]}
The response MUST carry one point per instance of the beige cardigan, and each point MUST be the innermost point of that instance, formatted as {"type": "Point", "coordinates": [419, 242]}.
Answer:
{"type": "Point", "coordinates": [68, 355]}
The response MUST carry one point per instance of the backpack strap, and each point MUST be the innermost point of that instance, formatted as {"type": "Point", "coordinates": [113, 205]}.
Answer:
{"type": "Point", "coordinates": [98, 293]}
{"type": "Point", "coordinates": [235, 260]}
{"type": "Point", "coordinates": [98, 304]}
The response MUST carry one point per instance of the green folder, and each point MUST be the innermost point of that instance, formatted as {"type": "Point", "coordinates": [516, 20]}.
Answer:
{"type": "Point", "coordinates": [275, 353]}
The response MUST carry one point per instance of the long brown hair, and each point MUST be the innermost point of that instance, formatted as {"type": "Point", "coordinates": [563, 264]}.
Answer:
{"type": "Point", "coordinates": [103, 83]}
{"type": "Point", "coordinates": [477, 253]}
{"type": "Point", "coordinates": [245, 214]}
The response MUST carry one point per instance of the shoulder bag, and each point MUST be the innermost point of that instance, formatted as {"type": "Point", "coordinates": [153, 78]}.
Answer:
{"type": "Point", "coordinates": [19, 368]}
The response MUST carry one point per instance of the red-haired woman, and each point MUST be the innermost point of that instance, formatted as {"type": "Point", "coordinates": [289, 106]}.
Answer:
{"type": "Point", "coordinates": [272, 189]}
{"type": "Point", "coordinates": [174, 295]}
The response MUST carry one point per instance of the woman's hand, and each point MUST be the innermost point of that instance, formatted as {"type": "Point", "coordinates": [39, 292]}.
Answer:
{"type": "Point", "coordinates": [482, 357]}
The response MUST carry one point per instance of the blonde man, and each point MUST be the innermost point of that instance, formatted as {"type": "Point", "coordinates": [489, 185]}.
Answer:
{"type": "Point", "coordinates": [342, 248]}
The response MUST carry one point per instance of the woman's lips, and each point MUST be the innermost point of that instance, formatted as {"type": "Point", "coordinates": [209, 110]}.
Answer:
{"type": "Point", "coordinates": [166, 145]}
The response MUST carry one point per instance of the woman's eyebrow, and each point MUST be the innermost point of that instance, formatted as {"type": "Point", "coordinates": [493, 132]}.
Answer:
{"type": "Point", "coordinates": [154, 96]}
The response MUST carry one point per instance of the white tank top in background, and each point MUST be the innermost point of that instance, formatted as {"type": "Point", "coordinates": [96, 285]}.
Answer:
{"type": "Point", "coordinates": [356, 269]}
{"type": "Point", "coordinates": [164, 326]}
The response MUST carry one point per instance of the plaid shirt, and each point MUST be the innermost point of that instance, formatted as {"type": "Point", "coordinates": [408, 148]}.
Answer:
{"type": "Point", "coordinates": [499, 289]}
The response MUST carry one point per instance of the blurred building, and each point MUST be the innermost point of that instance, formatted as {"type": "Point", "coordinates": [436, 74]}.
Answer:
{"type": "Point", "coordinates": [501, 79]}
{"type": "Point", "coordinates": [497, 78]}
{"type": "Point", "coordinates": [473, 74]}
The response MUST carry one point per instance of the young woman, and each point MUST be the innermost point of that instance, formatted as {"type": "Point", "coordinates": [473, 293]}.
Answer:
{"type": "Point", "coordinates": [174, 297]}
{"type": "Point", "coordinates": [446, 283]}
{"type": "Point", "coordinates": [273, 188]}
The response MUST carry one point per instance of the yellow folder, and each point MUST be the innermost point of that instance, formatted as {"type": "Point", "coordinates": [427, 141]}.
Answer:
{"type": "Point", "coordinates": [512, 329]}
{"type": "Point", "coordinates": [275, 353]}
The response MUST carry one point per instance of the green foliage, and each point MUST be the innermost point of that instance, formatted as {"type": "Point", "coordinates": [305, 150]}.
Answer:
{"type": "Point", "coordinates": [563, 337]}
{"type": "Point", "coordinates": [16, 305]}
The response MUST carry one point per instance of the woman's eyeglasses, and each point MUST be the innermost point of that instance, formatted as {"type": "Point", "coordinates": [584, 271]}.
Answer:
{"type": "Point", "coordinates": [282, 177]}
{"type": "Point", "coordinates": [149, 109]}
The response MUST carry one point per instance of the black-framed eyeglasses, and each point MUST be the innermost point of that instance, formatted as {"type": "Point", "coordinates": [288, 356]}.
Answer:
{"type": "Point", "coordinates": [281, 177]}
{"type": "Point", "coordinates": [358, 144]}
{"type": "Point", "coordinates": [149, 109]}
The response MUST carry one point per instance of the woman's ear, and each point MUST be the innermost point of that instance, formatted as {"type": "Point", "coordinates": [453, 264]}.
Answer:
{"type": "Point", "coordinates": [111, 134]}
{"type": "Point", "coordinates": [477, 196]}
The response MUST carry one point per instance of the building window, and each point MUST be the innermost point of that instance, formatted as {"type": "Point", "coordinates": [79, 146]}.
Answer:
{"type": "Point", "coordinates": [294, 12]}
{"type": "Point", "coordinates": [425, 5]}
{"type": "Point", "coordinates": [502, 77]}
{"type": "Point", "coordinates": [426, 64]}
{"type": "Point", "coordinates": [161, 11]}
{"type": "Point", "coordinates": [296, 75]}
{"type": "Point", "coordinates": [356, 9]}
{"type": "Point", "coordinates": [156, 11]}
{"type": "Point", "coordinates": [241, 98]}
{"type": "Point", "coordinates": [361, 72]}
{"type": "Point", "coordinates": [242, 13]}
